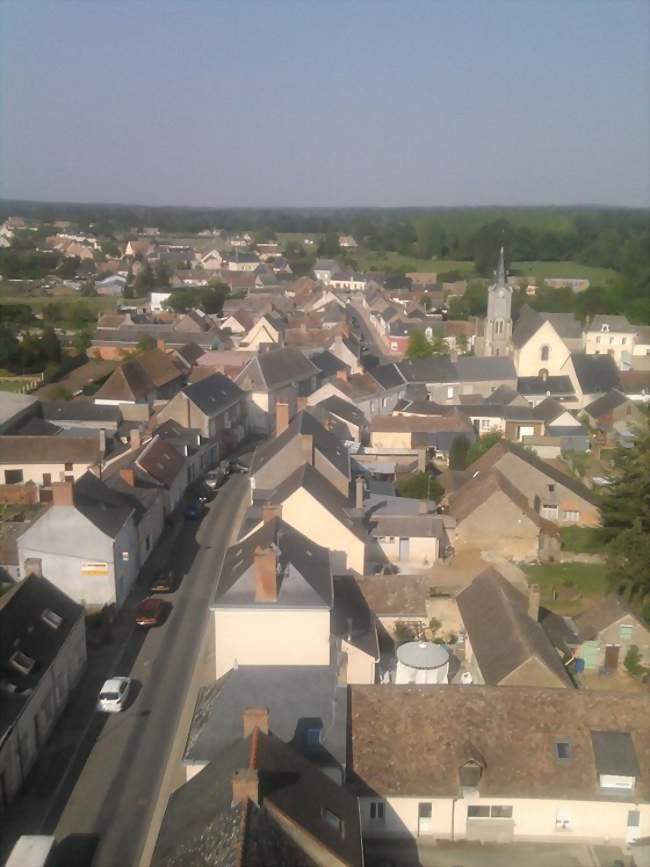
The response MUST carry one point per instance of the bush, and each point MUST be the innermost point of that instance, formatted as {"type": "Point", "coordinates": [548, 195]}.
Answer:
{"type": "Point", "coordinates": [420, 486]}
{"type": "Point", "coordinates": [632, 661]}
{"type": "Point", "coordinates": [434, 625]}
{"type": "Point", "coordinates": [582, 540]}
{"type": "Point", "coordinates": [403, 632]}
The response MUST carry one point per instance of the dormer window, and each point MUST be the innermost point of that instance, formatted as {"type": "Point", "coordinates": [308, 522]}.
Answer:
{"type": "Point", "coordinates": [334, 821]}
{"type": "Point", "coordinates": [604, 327]}
{"type": "Point", "coordinates": [21, 662]}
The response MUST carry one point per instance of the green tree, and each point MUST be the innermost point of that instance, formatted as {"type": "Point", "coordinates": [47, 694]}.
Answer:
{"type": "Point", "coordinates": [146, 278]}
{"type": "Point", "coordinates": [482, 445]}
{"type": "Point", "coordinates": [632, 661]}
{"type": "Point", "coordinates": [50, 345]}
{"type": "Point", "coordinates": [458, 453]}
{"type": "Point", "coordinates": [418, 346]}
{"type": "Point", "coordinates": [182, 300]}
{"type": "Point", "coordinates": [81, 340]}
{"type": "Point", "coordinates": [625, 510]}
{"type": "Point", "coordinates": [146, 343]}
{"type": "Point", "coordinates": [439, 346]}
{"type": "Point", "coordinates": [420, 486]}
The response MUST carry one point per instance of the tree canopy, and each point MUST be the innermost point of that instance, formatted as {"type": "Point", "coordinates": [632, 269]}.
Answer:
{"type": "Point", "coordinates": [482, 445]}
{"type": "Point", "coordinates": [421, 486]}
{"type": "Point", "coordinates": [418, 346]}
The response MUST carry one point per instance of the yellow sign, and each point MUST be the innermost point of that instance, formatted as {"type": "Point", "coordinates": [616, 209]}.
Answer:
{"type": "Point", "coordinates": [94, 569]}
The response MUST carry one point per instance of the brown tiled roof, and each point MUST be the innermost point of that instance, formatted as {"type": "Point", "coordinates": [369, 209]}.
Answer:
{"type": "Point", "coordinates": [161, 461]}
{"type": "Point", "coordinates": [49, 450]}
{"type": "Point", "coordinates": [387, 597]}
{"type": "Point", "coordinates": [419, 424]}
{"type": "Point", "coordinates": [502, 635]}
{"type": "Point", "coordinates": [138, 377]}
{"type": "Point", "coordinates": [412, 740]}
{"type": "Point", "coordinates": [609, 611]}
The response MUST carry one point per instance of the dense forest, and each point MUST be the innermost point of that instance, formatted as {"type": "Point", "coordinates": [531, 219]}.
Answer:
{"type": "Point", "coordinates": [615, 238]}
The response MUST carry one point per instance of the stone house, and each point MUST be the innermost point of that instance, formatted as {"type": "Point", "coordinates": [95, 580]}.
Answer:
{"type": "Point", "coordinates": [46, 460]}
{"type": "Point", "coordinates": [606, 632]}
{"type": "Point", "coordinates": [150, 376]}
{"type": "Point", "coordinates": [611, 335]}
{"type": "Point", "coordinates": [544, 341]}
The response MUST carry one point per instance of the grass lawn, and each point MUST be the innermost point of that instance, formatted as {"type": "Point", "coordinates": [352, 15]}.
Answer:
{"type": "Point", "coordinates": [577, 584]}
{"type": "Point", "coordinates": [380, 261]}
{"type": "Point", "coordinates": [582, 540]}
{"type": "Point", "coordinates": [596, 276]}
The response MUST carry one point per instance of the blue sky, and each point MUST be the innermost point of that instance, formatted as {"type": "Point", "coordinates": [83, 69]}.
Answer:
{"type": "Point", "coordinates": [325, 102]}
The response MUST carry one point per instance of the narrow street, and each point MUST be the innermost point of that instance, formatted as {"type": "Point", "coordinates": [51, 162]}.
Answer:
{"type": "Point", "coordinates": [104, 819]}
{"type": "Point", "coordinates": [369, 333]}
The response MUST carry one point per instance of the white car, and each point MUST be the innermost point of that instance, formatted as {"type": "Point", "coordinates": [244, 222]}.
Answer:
{"type": "Point", "coordinates": [113, 695]}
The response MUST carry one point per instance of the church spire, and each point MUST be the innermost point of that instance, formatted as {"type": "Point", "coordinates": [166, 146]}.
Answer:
{"type": "Point", "coordinates": [501, 270]}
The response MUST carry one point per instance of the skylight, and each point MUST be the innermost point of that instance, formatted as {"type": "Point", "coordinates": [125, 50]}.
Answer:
{"type": "Point", "coordinates": [563, 750]}
{"type": "Point", "coordinates": [51, 618]}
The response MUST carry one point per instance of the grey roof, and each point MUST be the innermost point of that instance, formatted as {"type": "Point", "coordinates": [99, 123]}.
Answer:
{"type": "Point", "coordinates": [411, 526]}
{"type": "Point", "coordinates": [616, 323]}
{"type": "Point", "coordinates": [530, 321]}
{"type": "Point", "coordinates": [50, 449]}
{"type": "Point", "coordinates": [11, 404]}
{"type": "Point", "coordinates": [327, 362]}
{"type": "Point", "coordinates": [595, 373]}
{"type": "Point", "coordinates": [605, 404]}
{"type": "Point", "coordinates": [609, 611]}
{"type": "Point", "coordinates": [428, 370]}
{"type": "Point", "coordinates": [345, 410]}
{"type": "Point", "coordinates": [214, 394]}
{"type": "Point", "coordinates": [474, 369]}
{"type": "Point", "coordinates": [501, 633]}
{"type": "Point", "coordinates": [21, 628]}
{"type": "Point", "coordinates": [614, 753]}
{"type": "Point", "coordinates": [535, 385]}
{"type": "Point", "coordinates": [565, 324]}
{"type": "Point", "coordinates": [275, 369]}
{"type": "Point", "coordinates": [79, 410]}
{"type": "Point", "coordinates": [387, 375]}
{"type": "Point", "coordinates": [297, 696]}
{"type": "Point", "coordinates": [107, 509]}
{"type": "Point", "coordinates": [324, 441]}
{"type": "Point", "coordinates": [303, 570]}
{"type": "Point", "coordinates": [502, 396]}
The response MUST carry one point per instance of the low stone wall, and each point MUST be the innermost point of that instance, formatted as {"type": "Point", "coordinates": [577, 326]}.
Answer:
{"type": "Point", "coordinates": [25, 494]}
{"type": "Point", "coordinates": [573, 557]}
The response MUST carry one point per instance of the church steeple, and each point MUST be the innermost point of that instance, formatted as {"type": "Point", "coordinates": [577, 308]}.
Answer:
{"type": "Point", "coordinates": [501, 270]}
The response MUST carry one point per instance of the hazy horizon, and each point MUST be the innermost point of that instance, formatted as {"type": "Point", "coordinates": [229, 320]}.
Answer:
{"type": "Point", "coordinates": [365, 104]}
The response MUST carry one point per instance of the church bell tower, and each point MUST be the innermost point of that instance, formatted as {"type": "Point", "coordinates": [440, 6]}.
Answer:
{"type": "Point", "coordinates": [498, 323]}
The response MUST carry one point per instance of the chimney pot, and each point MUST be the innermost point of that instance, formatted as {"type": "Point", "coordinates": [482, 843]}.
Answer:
{"type": "Point", "coordinates": [245, 786]}
{"type": "Point", "coordinates": [281, 417]}
{"type": "Point", "coordinates": [63, 493]}
{"type": "Point", "coordinates": [534, 595]}
{"type": "Point", "coordinates": [266, 574]}
{"type": "Point", "coordinates": [255, 718]}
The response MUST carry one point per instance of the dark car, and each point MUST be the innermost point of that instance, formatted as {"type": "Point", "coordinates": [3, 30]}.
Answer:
{"type": "Point", "coordinates": [163, 582]}
{"type": "Point", "coordinates": [150, 611]}
{"type": "Point", "coordinates": [194, 510]}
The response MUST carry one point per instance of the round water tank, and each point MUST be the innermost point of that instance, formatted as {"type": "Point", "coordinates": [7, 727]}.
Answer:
{"type": "Point", "coordinates": [422, 662]}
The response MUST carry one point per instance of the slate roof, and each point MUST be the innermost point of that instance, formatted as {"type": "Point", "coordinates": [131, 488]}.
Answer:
{"type": "Point", "coordinates": [327, 443]}
{"type": "Point", "coordinates": [614, 752]}
{"type": "Point", "coordinates": [605, 404]}
{"type": "Point", "coordinates": [595, 373]}
{"type": "Point", "coordinates": [49, 449]}
{"type": "Point", "coordinates": [530, 321]}
{"type": "Point", "coordinates": [294, 695]}
{"type": "Point", "coordinates": [139, 377]}
{"type": "Point", "coordinates": [161, 461]}
{"type": "Point", "coordinates": [22, 628]}
{"type": "Point", "coordinates": [617, 324]}
{"type": "Point", "coordinates": [107, 509]}
{"type": "Point", "coordinates": [419, 424]}
{"type": "Point", "coordinates": [514, 729]}
{"type": "Point", "coordinates": [387, 375]}
{"type": "Point", "coordinates": [345, 410]}
{"type": "Point", "coordinates": [535, 385]}
{"type": "Point", "coordinates": [604, 614]}
{"type": "Point", "coordinates": [304, 572]}
{"type": "Point", "coordinates": [214, 394]}
{"type": "Point", "coordinates": [275, 369]}
{"type": "Point", "coordinates": [79, 410]}
{"type": "Point", "coordinates": [352, 619]}
{"type": "Point", "coordinates": [502, 634]}
{"type": "Point", "coordinates": [321, 490]}
{"type": "Point", "coordinates": [465, 369]}
{"type": "Point", "coordinates": [201, 825]}
{"type": "Point", "coordinates": [327, 363]}
{"type": "Point", "coordinates": [387, 597]}
{"type": "Point", "coordinates": [504, 395]}
{"type": "Point", "coordinates": [190, 352]}
{"type": "Point", "coordinates": [11, 404]}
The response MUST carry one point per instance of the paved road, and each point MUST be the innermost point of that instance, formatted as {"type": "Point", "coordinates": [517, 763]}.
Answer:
{"type": "Point", "coordinates": [369, 334]}
{"type": "Point", "coordinates": [107, 816]}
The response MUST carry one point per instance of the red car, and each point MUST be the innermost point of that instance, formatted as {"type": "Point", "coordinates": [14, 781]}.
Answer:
{"type": "Point", "coordinates": [150, 611]}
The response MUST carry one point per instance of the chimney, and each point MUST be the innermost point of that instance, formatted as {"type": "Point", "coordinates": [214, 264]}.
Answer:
{"type": "Point", "coordinates": [271, 511]}
{"type": "Point", "coordinates": [160, 344]}
{"type": "Point", "coordinates": [255, 718]}
{"type": "Point", "coordinates": [342, 374]}
{"type": "Point", "coordinates": [266, 574]}
{"type": "Point", "coordinates": [245, 786]}
{"type": "Point", "coordinates": [128, 475]}
{"type": "Point", "coordinates": [63, 493]}
{"type": "Point", "coordinates": [301, 403]}
{"type": "Point", "coordinates": [135, 438]}
{"type": "Point", "coordinates": [281, 417]}
{"type": "Point", "coordinates": [102, 441]}
{"type": "Point", "coordinates": [307, 443]}
{"type": "Point", "coordinates": [359, 487]}
{"type": "Point", "coordinates": [534, 594]}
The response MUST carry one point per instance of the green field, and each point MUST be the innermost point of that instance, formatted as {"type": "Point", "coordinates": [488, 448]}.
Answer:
{"type": "Point", "coordinates": [100, 303]}
{"type": "Point", "coordinates": [574, 582]}
{"type": "Point", "coordinates": [596, 276]}
{"type": "Point", "coordinates": [375, 260]}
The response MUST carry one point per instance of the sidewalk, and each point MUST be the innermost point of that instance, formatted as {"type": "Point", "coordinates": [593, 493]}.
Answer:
{"type": "Point", "coordinates": [43, 797]}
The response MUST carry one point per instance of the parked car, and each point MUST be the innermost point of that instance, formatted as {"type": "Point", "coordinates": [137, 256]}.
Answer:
{"type": "Point", "coordinates": [33, 850]}
{"type": "Point", "coordinates": [150, 611]}
{"type": "Point", "coordinates": [163, 582]}
{"type": "Point", "coordinates": [113, 695]}
{"type": "Point", "coordinates": [194, 510]}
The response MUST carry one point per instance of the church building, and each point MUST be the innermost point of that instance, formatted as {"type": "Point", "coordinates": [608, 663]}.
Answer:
{"type": "Point", "coordinates": [498, 322]}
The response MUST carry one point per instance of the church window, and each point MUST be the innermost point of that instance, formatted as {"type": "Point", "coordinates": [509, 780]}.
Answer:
{"type": "Point", "coordinates": [498, 326]}
{"type": "Point", "coordinates": [545, 352]}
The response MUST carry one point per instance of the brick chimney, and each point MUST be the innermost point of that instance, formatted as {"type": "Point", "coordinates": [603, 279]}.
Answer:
{"type": "Point", "coordinates": [245, 786]}
{"type": "Point", "coordinates": [534, 595]}
{"type": "Point", "coordinates": [135, 438]}
{"type": "Point", "coordinates": [281, 417]}
{"type": "Point", "coordinates": [128, 475]}
{"type": "Point", "coordinates": [266, 574]}
{"type": "Point", "coordinates": [63, 493]}
{"type": "Point", "coordinates": [301, 403]}
{"type": "Point", "coordinates": [255, 718]}
{"type": "Point", "coordinates": [307, 444]}
{"type": "Point", "coordinates": [342, 374]}
{"type": "Point", "coordinates": [160, 344]}
{"type": "Point", "coordinates": [359, 486]}
{"type": "Point", "coordinates": [271, 511]}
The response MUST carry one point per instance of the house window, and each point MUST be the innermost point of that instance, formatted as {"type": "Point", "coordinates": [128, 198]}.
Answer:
{"type": "Point", "coordinates": [545, 353]}
{"type": "Point", "coordinates": [570, 515]}
{"type": "Point", "coordinates": [68, 467]}
{"type": "Point", "coordinates": [604, 327]}
{"type": "Point", "coordinates": [125, 556]}
{"type": "Point", "coordinates": [485, 424]}
{"type": "Point", "coordinates": [498, 811]}
{"type": "Point", "coordinates": [313, 736]}
{"type": "Point", "coordinates": [450, 391]}
{"type": "Point", "coordinates": [625, 632]}
{"type": "Point", "coordinates": [333, 820]}
{"type": "Point", "coordinates": [52, 619]}
{"type": "Point", "coordinates": [550, 512]}
{"type": "Point", "coordinates": [21, 662]}
{"type": "Point", "coordinates": [562, 819]}
{"type": "Point", "coordinates": [563, 750]}
{"type": "Point", "coordinates": [47, 479]}
{"type": "Point", "coordinates": [13, 477]}
{"type": "Point", "coordinates": [376, 811]}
